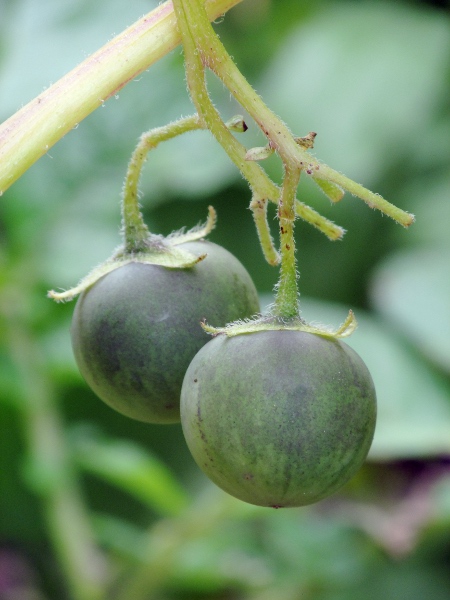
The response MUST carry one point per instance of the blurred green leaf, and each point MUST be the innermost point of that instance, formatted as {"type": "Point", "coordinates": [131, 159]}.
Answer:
{"type": "Point", "coordinates": [314, 551]}
{"type": "Point", "coordinates": [121, 537]}
{"type": "Point", "coordinates": [131, 468]}
{"type": "Point", "coordinates": [427, 197]}
{"type": "Point", "coordinates": [226, 555]}
{"type": "Point", "coordinates": [63, 35]}
{"type": "Point", "coordinates": [412, 290]}
{"type": "Point", "coordinates": [413, 402]}
{"type": "Point", "coordinates": [9, 384]}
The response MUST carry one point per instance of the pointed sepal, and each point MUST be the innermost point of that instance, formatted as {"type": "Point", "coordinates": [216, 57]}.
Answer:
{"type": "Point", "coordinates": [269, 323]}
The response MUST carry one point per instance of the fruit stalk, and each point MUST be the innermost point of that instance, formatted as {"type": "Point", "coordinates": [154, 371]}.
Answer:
{"type": "Point", "coordinates": [258, 206]}
{"type": "Point", "coordinates": [286, 301]}
{"type": "Point", "coordinates": [135, 231]}
{"type": "Point", "coordinates": [204, 48]}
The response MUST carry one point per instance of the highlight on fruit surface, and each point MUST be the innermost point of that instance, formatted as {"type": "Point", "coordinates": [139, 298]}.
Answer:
{"type": "Point", "coordinates": [278, 418]}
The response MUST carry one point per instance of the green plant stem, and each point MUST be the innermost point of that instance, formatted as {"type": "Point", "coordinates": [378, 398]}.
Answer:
{"type": "Point", "coordinates": [134, 230]}
{"type": "Point", "coordinates": [258, 206]}
{"type": "Point", "coordinates": [49, 468]}
{"type": "Point", "coordinates": [190, 15]}
{"type": "Point", "coordinates": [213, 54]}
{"type": "Point", "coordinates": [33, 130]}
{"type": "Point", "coordinates": [202, 49]}
{"type": "Point", "coordinates": [191, 25]}
{"type": "Point", "coordinates": [189, 29]}
{"type": "Point", "coordinates": [287, 298]}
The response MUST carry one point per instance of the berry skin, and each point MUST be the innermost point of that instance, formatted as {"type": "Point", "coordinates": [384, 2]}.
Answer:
{"type": "Point", "coordinates": [136, 329]}
{"type": "Point", "coordinates": [278, 418]}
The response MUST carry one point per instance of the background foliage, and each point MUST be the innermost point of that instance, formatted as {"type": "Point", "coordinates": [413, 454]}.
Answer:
{"type": "Point", "coordinates": [373, 79]}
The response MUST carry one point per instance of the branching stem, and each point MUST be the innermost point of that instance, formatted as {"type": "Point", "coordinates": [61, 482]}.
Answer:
{"type": "Point", "coordinates": [196, 41]}
{"type": "Point", "coordinates": [214, 55]}
{"type": "Point", "coordinates": [202, 49]}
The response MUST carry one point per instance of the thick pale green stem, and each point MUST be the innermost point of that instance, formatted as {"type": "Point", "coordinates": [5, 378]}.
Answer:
{"type": "Point", "coordinates": [134, 230]}
{"type": "Point", "coordinates": [33, 130]}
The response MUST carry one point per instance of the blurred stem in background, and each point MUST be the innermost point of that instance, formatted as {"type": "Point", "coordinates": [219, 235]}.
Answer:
{"type": "Point", "coordinates": [49, 470]}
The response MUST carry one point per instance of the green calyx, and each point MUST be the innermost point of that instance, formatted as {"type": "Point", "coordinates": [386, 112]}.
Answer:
{"type": "Point", "coordinates": [139, 244]}
{"type": "Point", "coordinates": [154, 250]}
{"type": "Point", "coordinates": [274, 323]}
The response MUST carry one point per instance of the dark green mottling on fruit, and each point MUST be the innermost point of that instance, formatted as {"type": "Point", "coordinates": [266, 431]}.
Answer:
{"type": "Point", "coordinates": [278, 418]}
{"type": "Point", "coordinates": [135, 331]}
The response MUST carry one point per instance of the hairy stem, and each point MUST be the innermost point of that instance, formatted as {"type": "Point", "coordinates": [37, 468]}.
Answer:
{"type": "Point", "coordinates": [258, 207]}
{"type": "Point", "coordinates": [191, 25]}
{"type": "Point", "coordinates": [203, 47]}
{"type": "Point", "coordinates": [195, 73]}
{"type": "Point", "coordinates": [213, 54]}
{"type": "Point", "coordinates": [287, 298]}
{"type": "Point", "coordinates": [134, 230]}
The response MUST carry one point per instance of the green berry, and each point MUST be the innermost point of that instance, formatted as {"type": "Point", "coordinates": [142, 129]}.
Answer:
{"type": "Point", "coordinates": [136, 329]}
{"type": "Point", "coordinates": [278, 418]}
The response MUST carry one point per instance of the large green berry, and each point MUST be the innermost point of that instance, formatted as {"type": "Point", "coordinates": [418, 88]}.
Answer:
{"type": "Point", "coordinates": [136, 329]}
{"type": "Point", "coordinates": [278, 418]}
